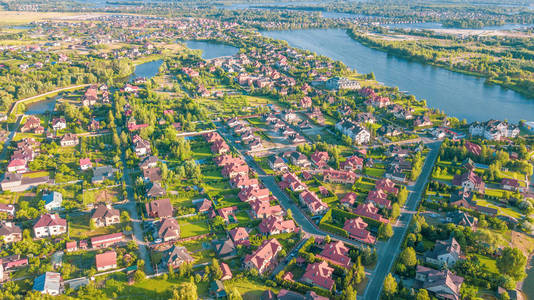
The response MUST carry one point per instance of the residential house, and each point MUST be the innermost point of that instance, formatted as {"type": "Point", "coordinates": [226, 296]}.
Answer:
{"type": "Point", "coordinates": [469, 181]}
{"type": "Point", "coordinates": [446, 252]}
{"type": "Point", "coordinates": [336, 253]}
{"type": "Point", "coordinates": [168, 229]}
{"type": "Point", "coordinates": [9, 232]}
{"type": "Point", "coordinates": [107, 240]}
{"type": "Point", "coordinates": [48, 283]}
{"type": "Point", "coordinates": [226, 272]}
{"type": "Point", "coordinates": [262, 209]}
{"type": "Point", "coordinates": [102, 173]}
{"type": "Point", "coordinates": [277, 164]}
{"type": "Point", "coordinates": [320, 158]}
{"type": "Point", "coordinates": [155, 190]}
{"type": "Point", "coordinates": [357, 133]}
{"type": "Point", "coordinates": [239, 235]}
{"type": "Point", "coordinates": [349, 199]}
{"type": "Point", "coordinates": [59, 123]}
{"type": "Point", "coordinates": [369, 210]}
{"type": "Point", "coordinates": [335, 176]}
{"type": "Point", "coordinates": [443, 284]}
{"type": "Point", "coordinates": [217, 289]}
{"type": "Point", "coordinates": [69, 140]}
{"type": "Point", "coordinates": [319, 274]}
{"type": "Point", "coordinates": [228, 213]}
{"type": "Point", "coordinates": [85, 164]}
{"type": "Point", "coordinates": [49, 225]}
{"type": "Point", "coordinates": [104, 215]}
{"type": "Point", "coordinates": [276, 225]}
{"type": "Point", "coordinates": [299, 159]}
{"type": "Point", "coordinates": [106, 261]}
{"type": "Point", "coordinates": [161, 208]}
{"type": "Point", "coordinates": [379, 198]}
{"type": "Point", "coordinates": [148, 162]}
{"type": "Point", "coordinates": [292, 182]}
{"type": "Point", "coordinates": [461, 218]}
{"type": "Point", "coordinates": [264, 257]}
{"type": "Point", "coordinates": [315, 205]}
{"type": "Point", "coordinates": [224, 248]}
{"type": "Point", "coordinates": [53, 201]}
{"type": "Point", "coordinates": [352, 163]}
{"type": "Point", "coordinates": [357, 230]}
{"type": "Point", "coordinates": [177, 256]}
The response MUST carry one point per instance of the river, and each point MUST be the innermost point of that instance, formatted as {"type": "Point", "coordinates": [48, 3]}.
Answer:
{"type": "Point", "coordinates": [458, 95]}
{"type": "Point", "coordinates": [212, 50]}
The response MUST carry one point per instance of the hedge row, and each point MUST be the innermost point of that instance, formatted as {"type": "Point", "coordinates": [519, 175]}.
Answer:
{"type": "Point", "coordinates": [334, 229]}
{"type": "Point", "coordinates": [338, 213]}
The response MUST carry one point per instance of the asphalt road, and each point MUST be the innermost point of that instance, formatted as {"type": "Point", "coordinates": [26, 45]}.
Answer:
{"type": "Point", "coordinates": [388, 251]}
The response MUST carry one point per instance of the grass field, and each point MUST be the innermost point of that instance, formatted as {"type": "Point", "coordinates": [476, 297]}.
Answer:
{"type": "Point", "coordinates": [79, 227]}
{"type": "Point", "coordinates": [489, 263]}
{"type": "Point", "coordinates": [250, 290]}
{"type": "Point", "coordinates": [507, 211]}
{"type": "Point", "coordinates": [194, 228]}
{"type": "Point", "coordinates": [24, 17]}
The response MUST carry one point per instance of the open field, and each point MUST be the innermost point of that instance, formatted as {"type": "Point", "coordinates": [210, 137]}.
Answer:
{"type": "Point", "coordinates": [24, 17]}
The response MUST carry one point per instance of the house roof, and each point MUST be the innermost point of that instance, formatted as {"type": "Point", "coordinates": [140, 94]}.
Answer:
{"type": "Point", "coordinates": [106, 259]}
{"type": "Point", "coordinates": [160, 208]}
{"type": "Point", "coordinates": [47, 281]}
{"type": "Point", "coordinates": [104, 211]}
{"type": "Point", "coordinates": [50, 220]}
{"type": "Point", "coordinates": [319, 274]}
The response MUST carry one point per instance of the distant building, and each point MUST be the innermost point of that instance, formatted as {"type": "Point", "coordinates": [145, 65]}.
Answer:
{"type": "Point", "coordinates": [48, 283]}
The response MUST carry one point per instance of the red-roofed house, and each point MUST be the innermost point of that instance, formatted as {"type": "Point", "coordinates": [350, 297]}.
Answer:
{"type": "Point", "coordinates": [252, 194]}
{"type": "Point", "coordinates": [473, 148]}
{"type": "Point", "coordinates": [228, 213]}
{"type": "Point", "coordinates": [349, 199]}
{"type": "Point", "coordinates": [239, 235]}
{"type": "Point", "coordinates": [369, 210]}
{"type": "Point", "coordinates": [320, 158]}
{"type": "Point", "coordinates": [264, 257]}
{"type": "Point", "coordinates": [276, 225]}
{"type": "Point", "coordinates": [387, 185]}
{"type": "Point", "coordinates": [291, 181]}
{"type": "Point", "coordinates": [314, 204]}
{"type": "Point", "coordinates": [17, 166]}
{"type": "Point", "coordinates": [469, 181]}
{"type": "Point", "coordinates": [49, 225]}
{"type": "Point", "coordinates": [106, 261]}
{"type": "Point", "coordinates": [85, 163]}
{"type": "Point", "coordinates": [357, 230]}
{"type": "Point", "coordinates": [226, 272]}
{"type": "Point", "coordinates": [263, 209]}
{"type": "Point", "coordinates": [319, 274]}
{"type": "Point", "coordinates": [510, 184]}
{"type": "Point", "coordinates": [104, 241]}
{"type": "Point", "coordinates": [161, 208]}
{"type": "Point", "coordinates": [379, 198]}
{"type": "Point", "coordinates": [336, 253]}
{"type": "Point", "coordinates": [345, 177]}
{"type": "Point", "coordinates": [305, 102]}
{"type": "Point", "coordinates": [352, 163]}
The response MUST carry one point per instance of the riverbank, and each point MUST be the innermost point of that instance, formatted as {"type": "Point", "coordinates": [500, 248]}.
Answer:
{"type": "Point", "coordinates": [400, 52]}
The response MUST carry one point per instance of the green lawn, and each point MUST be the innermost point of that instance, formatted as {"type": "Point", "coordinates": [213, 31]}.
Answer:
{"type": "Point", "coordinates": [79, 227]}
{"type": "Point", "coordinates": [194, 228]}
{"type": "Point", "coordinates": [507, 211]}
{"type": "Point", "coordinates": [250, 290]}
{"type": "Point", "coordinates": [375, 172]}
{"type": "Point", "coordinates": [490, 263]}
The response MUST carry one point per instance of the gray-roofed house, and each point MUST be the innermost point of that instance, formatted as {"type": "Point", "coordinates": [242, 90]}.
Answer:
{"type": "Point", "coordinates": [53, 201]}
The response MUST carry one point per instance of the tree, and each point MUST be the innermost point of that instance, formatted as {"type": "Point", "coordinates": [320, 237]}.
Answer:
{"type": "Point", "coordinates": [216, 269]}
{"type": "Point", "coordinates": [349, 293]}
{"type": "Point", "coordinates": [327, 239]}
{"type": "Point", "coordinates": [408, 257]}
{"type": "Point", "coordinates": [139, 276]}
{"type": "Point", "coordinates": [390, 286]}
{"type": "Point", "coordinates": [422, 295]}
{"type": "Point", "coordinates": [512, 262]}
{"type": "Point", "coordinates": [385, 231]}
{"type": "Point", "coordinates": [395, 211]}
{"type": "Point", "coordinates": [187, 291]}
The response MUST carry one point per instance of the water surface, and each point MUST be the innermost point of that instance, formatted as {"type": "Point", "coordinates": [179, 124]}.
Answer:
{"type": "Point", "coordinates": [147, 70]}
{"type": "Point", "coordinates": [459, 95]}
{"type": "Point", "coordinates": [212, 50]}
{"type": "Point", "coordinates": [41, 107]}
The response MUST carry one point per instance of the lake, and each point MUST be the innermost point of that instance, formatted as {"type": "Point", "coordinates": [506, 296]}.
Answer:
{"type": "Point", "coordinates": [147, 70]}
{"type": "Point", "coordinates": [40, 107]}
{"type": "Point", "coordinates": [458, 95]}
{"type": "Point", "coordinates": [212, 50]}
